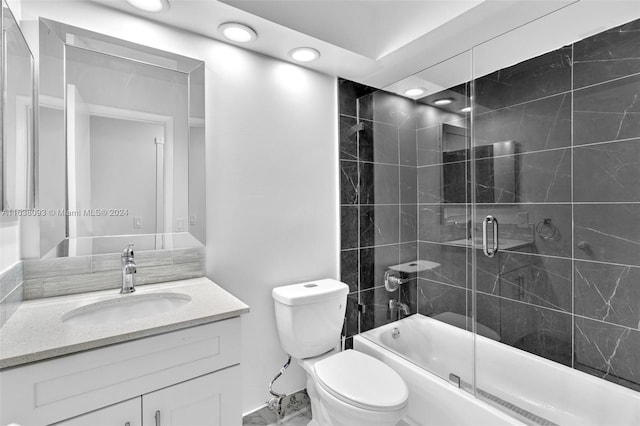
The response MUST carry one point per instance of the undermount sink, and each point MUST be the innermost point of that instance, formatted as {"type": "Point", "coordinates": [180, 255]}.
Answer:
{"type": "Point", "coordinates": [126, 307]}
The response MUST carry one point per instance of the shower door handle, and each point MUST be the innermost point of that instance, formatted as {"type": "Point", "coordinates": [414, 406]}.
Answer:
{"type": "Point", "coordinates": [490, 252]}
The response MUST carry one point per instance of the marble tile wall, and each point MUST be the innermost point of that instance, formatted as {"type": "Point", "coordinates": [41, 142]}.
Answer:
{"type": "Point", "coordinates": [606, 204]}
{"type": "Point", "coordinates": [69, 275]}
{"type": "Point", "coordinates": [378, 200]}
{"type": "Point", "coordinates": [571, 294]}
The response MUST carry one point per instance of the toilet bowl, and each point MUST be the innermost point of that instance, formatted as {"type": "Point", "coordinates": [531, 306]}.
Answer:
{"type": "Point", "coordinates": [346, 388]}
{"type": "Point", "coordinates": [354, 389]}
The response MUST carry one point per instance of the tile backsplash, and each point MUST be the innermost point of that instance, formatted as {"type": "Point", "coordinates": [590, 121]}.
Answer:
{"type": "Point", "coordinates": [70, 275]}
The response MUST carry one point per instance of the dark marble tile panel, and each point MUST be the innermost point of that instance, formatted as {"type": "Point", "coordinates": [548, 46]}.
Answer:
{"type": "Point", "coordinates": [607, 112]}
{"type": "Point", "coordinates": [348, 138]}
{"type": "Point", "coordinates": [408, 252]}
{"type": "Point", "coordinates": [348, 93]}
{"type": "Point", "coordinates": [608, 293]}
{"type": "Point", "coordinates": [376, 305]}
{"type": "Point", "coordinates": [608, 351]}
{"type": "Point", "coordinates": [408, 185]}
{"type": "Point", "coordinates": [408, 293]}
{"type": "Point", "coordinates": [539, 77]}
{"type": "Point", "coordinates": [432, 228]}
{"type": "Point", "coordinates": [607, 233]}
{"type": "Point", "coordinates": [607, 172]}
{"type": "Point", "coordinates": [452, 260]}
{"type": "Point", "coordinates": [534, 329]}
{"type": "Point", "coordinates": [379, 225]}
{"type": "Point", "coordinates": [349, 268]}
{"type": "Point", "coordinates": [374, 262]}
{"type": "Point", "coordinates": [534, 126]}
{"type": "Point", "coordinates": [378, 142]}
{"type": "Point", "coordinates": [607, 55]}
{"type": "Point", "coordinates": [429, 190]}
{"type": "Point", "coordinates": [349, 227]}
{"type": "Point", "coordinates": [435, 298]}
{"type": "Point", "coordinates": [379, 183]}
{"type": "Point", "coordinates": [349, 186]}
{"type": "Point", "coordinates": [537, 280]}
{"type": "Point", "coordinates": [351, 316]}
{"type": "Point", "coordinates": [456, 179]}
{"type": "Point", "coordinates": [429, 146]}
{"type": "Point", "coordinates": [407, 138]}
{"type": "Point", "coordinates": [408, 223]}
{"type": "Point", "coordinates": [539, 177]}
{"type": "Point", "coordinates": [365, 105]}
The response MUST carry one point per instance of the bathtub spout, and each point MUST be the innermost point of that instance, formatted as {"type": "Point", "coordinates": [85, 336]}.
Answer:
{"type": "Point", "coordinates": [395, 305]}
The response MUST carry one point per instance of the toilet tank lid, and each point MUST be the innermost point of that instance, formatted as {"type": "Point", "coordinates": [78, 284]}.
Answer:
{"type": "Point", "coordinates": [309, 292]}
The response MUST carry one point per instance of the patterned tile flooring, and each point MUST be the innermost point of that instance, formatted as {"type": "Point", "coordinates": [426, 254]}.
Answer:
{"type": "Point", "coordinates": [297, 409]}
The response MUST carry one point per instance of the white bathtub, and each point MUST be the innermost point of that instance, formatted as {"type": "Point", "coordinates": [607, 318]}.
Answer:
{"type": "Point", "coordinates": [544, 392]}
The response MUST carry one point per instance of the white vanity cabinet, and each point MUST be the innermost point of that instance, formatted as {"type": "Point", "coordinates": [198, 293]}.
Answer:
{"type": "Point", "coordinates": [204, 401]}
{"type": "Point", "coordinates": [125, 413]}
{"type": "Point", "coordinates": [188, 377]}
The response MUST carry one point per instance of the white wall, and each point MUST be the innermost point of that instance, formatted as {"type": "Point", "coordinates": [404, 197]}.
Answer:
{"type": "Point", "coordinates": [272, 191]}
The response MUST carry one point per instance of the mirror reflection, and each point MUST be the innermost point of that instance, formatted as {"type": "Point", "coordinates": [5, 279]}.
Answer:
{"type": "Point", "coordinates": [17, 136]}
{"type": "Point", "coordinates": [134, 142]}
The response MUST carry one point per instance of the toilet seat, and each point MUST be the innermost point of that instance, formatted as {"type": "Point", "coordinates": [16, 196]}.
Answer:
{"type": "Point", "coordinates": [363, 381]}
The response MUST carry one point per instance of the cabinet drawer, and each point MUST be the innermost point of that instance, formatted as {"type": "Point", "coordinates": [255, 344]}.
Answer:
{"type": "Point", "coordinates": [57, 389]}
{"type": "Point", "coordinates": [126, 413]}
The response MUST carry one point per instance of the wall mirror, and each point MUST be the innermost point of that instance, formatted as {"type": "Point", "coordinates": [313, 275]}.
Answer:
{"type": "Point", "coordinates": [128, 123]}
{"type": "Point", "coordinates": [17, 135]}
{"type": "Point", "coordinates": [495, 168]}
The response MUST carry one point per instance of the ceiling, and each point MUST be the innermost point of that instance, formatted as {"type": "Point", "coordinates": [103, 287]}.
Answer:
{"type": "Point", "coordinates": [374, 42]}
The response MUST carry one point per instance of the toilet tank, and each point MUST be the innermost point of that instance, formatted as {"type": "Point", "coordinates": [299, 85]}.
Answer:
{"type": "Point", "coordinates": [309, 316]}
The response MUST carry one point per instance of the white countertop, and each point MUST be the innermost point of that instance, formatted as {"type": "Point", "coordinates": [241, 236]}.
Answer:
{"type": "Point", "coordinates": [36, 332]}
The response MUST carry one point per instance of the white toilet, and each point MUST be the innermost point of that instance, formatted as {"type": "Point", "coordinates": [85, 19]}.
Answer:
{"type": "Point", "coordinates": [346, 388]}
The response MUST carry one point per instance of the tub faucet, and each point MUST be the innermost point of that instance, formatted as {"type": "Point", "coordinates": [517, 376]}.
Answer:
{"type": "Point", "coordinates": [128, 269]}
{"type": "Point", "coordinates": [395, 305]}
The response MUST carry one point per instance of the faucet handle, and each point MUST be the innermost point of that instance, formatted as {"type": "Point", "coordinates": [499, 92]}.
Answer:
{"type": "Point", "coordinates": [127, 253]}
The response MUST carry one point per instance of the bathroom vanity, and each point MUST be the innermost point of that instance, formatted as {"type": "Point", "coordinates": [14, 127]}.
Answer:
{"type": "Point", "coordinates": [106, 358]}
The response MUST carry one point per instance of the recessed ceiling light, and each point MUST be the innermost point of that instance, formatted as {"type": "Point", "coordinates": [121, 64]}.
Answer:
{"type": "Point", "coordinates": [466, 109]}
{"type": "Point", "coordinates": [150, 5]}
{"type": "Point", "coordinates": [304, 54]}
{"type": "Point", "coordinates": [237, 32]}
{"type": "Point", "coordinates": [414, 92]}
{"type": "Point", "coordinates": [443, 101]}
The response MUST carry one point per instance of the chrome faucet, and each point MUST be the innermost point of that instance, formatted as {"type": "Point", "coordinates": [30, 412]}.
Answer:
{"type": "Point", "coordinates": [395, 305]}
{"type": "Point", "coordinates": [128, 269]}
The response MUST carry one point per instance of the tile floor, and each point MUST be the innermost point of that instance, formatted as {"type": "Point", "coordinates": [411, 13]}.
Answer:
{"type": "Point", "coordinates": [297, 409]}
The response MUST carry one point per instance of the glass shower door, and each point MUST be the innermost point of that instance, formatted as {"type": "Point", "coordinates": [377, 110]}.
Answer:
{"type": "Point", "coordinates": [443, 138]}
{"type": "Point", "coordinates": [556, 160]}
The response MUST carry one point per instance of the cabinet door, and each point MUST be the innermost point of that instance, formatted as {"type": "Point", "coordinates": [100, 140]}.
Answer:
{"type": "Point", "coordinates": [209, 400]}
{"type": "Point", "coordinates": [127, 413]}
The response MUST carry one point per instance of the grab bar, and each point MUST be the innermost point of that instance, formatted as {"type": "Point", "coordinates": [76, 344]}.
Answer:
{"type": "Point", "coordinates": [490, 252]}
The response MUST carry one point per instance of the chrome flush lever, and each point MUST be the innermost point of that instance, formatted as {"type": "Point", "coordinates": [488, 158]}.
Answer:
{"type": "Point", "coordinates": [490, 252]}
